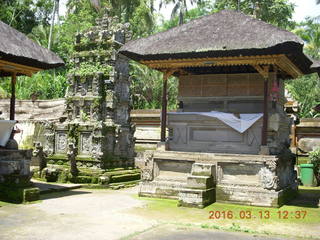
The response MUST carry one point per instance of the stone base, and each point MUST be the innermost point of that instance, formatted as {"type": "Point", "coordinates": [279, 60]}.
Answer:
{"type": "Point", "coordinates": [158, 189]}
{"type": "Point", "coordinates": [58, 173]}
{"type": "Point", "coordinates": [162, 146]}
{"type": "Point", "coordinates": [198, 179]}
{"type": "Point", "coordinates": [196, 197]}
{"type": "Point", "coordinates": [19, 194]}
{"type": "Point", "coordinates": [256, 196]}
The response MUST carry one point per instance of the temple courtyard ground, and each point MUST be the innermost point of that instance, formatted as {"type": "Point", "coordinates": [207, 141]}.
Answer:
{"type": "Point", "coordinates": [82, 214]}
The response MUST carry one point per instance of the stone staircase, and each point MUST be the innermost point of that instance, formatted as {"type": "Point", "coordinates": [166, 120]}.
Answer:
{"type": "Point", "coordinates": [195, 189]}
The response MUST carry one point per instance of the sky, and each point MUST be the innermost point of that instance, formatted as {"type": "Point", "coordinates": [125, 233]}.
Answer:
{"type": "Point", "coordinates": [303, 9]}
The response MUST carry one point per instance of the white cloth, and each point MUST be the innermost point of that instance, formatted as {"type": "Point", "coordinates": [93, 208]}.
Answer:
{"type": "Point", "coordinates": [241, 124]}
{"type": "Point", "coordinates": [6, 127]}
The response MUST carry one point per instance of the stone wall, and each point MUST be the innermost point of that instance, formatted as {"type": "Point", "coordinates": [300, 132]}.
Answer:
{"type": "Point", "coordinates": [33, 110]}
{"type": "Point", "coordinates": [197, 179]}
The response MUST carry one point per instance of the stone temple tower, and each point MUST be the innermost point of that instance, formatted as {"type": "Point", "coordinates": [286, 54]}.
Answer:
{"type": "Point", "coordinates": [97, 120]}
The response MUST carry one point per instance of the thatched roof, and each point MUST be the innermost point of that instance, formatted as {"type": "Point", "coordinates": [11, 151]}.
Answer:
{"type": "Point", "coordinates": [18, 48]}
{"type": "Point", "coordinates": [226, 33]}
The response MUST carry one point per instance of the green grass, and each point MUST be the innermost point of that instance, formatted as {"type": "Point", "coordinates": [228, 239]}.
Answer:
{"type": "Point", "coordinates": [166, 210]}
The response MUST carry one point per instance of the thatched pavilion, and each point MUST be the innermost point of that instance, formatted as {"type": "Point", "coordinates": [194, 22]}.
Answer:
{"type": "Point", "coordinates": [231, 69]}
{"type": "Point", "coordinates": [18, 56]}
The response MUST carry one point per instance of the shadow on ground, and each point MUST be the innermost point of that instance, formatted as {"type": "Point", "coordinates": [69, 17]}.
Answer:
{"type": "Point", "coordinates": [47, 196]}
{"type": "Point", "coordinates": [307, 197]}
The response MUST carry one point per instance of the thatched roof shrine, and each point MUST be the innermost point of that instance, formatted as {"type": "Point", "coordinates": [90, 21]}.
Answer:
{"type": "Point", "coordinates": [227, 34]}
{"type": "Point", "coordinates": [26, 55]}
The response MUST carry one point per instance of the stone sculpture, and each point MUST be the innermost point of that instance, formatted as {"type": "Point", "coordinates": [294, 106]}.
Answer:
{"type": "Point", "coordinates": [97, 107]}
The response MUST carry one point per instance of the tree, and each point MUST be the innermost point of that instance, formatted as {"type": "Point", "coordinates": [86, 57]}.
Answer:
{"type": "Point", "coordinates": [309, 31]}
{"type": "Point", "coordinates": [306, 91]}
{"type": "Point", "coordinates": [24, 15]}
{"type": "Point", "coordinates": [206, 7]}
{"type": "Point", "coordinates": [180, 8]}
{"type": "Point", "coordinates": [276, 12]}
{"type": "Point", "coordinates": [146, 88]}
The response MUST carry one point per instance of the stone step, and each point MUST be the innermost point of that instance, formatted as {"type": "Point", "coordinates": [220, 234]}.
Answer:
{"type": "Point", "coordinates": [200, 182]}
{"type": "Point", "coordinates": [196, 197]}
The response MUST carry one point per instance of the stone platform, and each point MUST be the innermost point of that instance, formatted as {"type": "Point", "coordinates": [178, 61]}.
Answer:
{"type": "Point", "coordinates": [15, 175]}
{"type": "Point", "coordinates": [199, 179]}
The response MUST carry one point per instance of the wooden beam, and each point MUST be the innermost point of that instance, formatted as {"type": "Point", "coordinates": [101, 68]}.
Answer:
{"type": "Point", "coordinates": [13, 95]}
{"type": "Point", "coordinates": [284, 63]}
{"type": "Point", "coordinates": [264, 135]}
{"type": "Point", "coordinates": [264, 71]}
{"type": "Point", "coordinates": [281, 60]}
{"type": "Point", "coordinates": [205, 62]}
{"type": "Point", "coordinates": [166, 74]}
{"type": "Point", "coordinates": [18, 68]}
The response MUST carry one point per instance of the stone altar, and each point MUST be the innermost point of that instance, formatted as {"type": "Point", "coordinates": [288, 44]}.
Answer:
{"type": "Point", "coordinates": [97, 108]}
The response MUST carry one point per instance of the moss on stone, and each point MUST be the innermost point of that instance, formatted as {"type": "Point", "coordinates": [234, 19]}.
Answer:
{"type": "Point", "coordinates": [18, 194]}
{"type": "Point", "coordinates": [125, 177]}
{"type": "Point", "coordinates": [221, 195]}
{"type": "Point", "coordinates": [57, 157]}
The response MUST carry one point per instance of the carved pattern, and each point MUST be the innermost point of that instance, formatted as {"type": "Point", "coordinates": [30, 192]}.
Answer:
{"type": "Point", "coordinates": [71, 154]}
{"type": "Point", "coordinates": [61, 142]}
{"type": "Point", "coordinates": [268, 179]}
{"type": "Point", "coordinates": [40, 154]}
{"type": "Point", "coordinates": [98, 98]}
{"type": "Point", "coordinates": [147, 171]}
{"type": "Point", "coordinates": [272, 164]}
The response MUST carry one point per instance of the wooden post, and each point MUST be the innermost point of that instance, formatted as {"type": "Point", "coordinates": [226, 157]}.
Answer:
{"type": "Point", "coordinates": [264, 134]}
{"type": "Point", "coordinates": [13, 95]}
{"type": "Point", "coordinates": [164, 108]}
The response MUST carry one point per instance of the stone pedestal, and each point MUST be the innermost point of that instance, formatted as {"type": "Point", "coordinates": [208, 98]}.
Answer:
{"type": "Point", "coordinates": [198, 179]}
{"type": "Point", "coordinates": [15, 175]}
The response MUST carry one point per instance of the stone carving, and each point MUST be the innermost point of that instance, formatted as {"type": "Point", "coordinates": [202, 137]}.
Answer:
{"type": "Point", "coordinates": [268, 179]}
{"type": "Point", "coordinates": [97, 101]}
{"type": "Point", "coordinates": [72, 153]}
{"type": "Point", "coordinates": [147, 171]}
{"type": "Point", "coordinates": [86, 143]}
{"type": "Point", "coordinates": [61, 142]}
{"type": "Point", "coordinates": [41, 155]}
{"type": "Point", "coordinates": [272, 164]}
{"type": "Point", "coordinates": [49, 138]}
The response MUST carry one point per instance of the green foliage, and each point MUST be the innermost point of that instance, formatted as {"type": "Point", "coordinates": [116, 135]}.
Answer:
{"type": "Point", "coordinates": [309, 31]}
{"type": "Point", "coordinates": [203, 9]}
{"type": "Point", "coordinates": [146, 87]}
{"type": "Point", "coordinates": [180, 10]}
{"type": "Point", "coordinates": [306, 90]}
{"type": "Point", "coordinates": [89, 68]}
{"type": "Point", "coordinates": [314, 157]}
{"type": "Point", "coordinates": [42, 85]}
{"type": "Point", "coordinates": [24, 15]}
{"type": "Point", "coordinates": [276, 12]}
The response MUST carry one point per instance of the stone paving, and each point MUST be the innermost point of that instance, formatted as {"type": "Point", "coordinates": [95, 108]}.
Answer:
{"type": "Point", "coordinates": [83, 214]}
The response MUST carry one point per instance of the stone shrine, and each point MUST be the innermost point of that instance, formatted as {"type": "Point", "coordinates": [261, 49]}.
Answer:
{"type": "Point", "coordinates": [97, 103]}
{"type": "Point", "coordinates": [228, 140]}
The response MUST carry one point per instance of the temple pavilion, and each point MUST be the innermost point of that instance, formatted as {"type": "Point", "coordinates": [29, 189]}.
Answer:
{"type": "Point", "coordinates": [229, 139]}
{"type": "Point", "coordinates": [19, 56]}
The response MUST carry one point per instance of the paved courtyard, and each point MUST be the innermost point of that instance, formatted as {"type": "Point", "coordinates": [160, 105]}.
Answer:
{"type": "Point", "coordinates": [83, 214]}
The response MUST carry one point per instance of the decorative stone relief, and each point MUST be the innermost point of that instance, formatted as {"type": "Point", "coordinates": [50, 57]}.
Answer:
{"type": "Point", "coordinates": [85, 143]}
{"type": "Point", "coordinates": [268, 179]}
{"type": "Point", "coordinates": [97, 100]}
{"type": "Point", "coordinates": [147, 171]}
{"type": "Point", "coordinates": [61, 142]}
